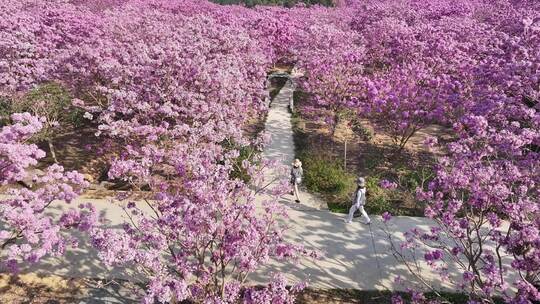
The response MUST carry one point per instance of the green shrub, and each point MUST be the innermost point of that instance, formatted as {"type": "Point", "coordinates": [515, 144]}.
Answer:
{"type": "Point", "coordinates": [56, 99]}
{"type": "Point", "coordinates": [325, 176]}
{"type": "Point", "coordinates": [379, 200]}
{"type": "Point", "coordinates": [300, 96]}
{"type": "Point", "coordinates": [412, 179]}
{"type": "Point", "coordinates": [52, 102]}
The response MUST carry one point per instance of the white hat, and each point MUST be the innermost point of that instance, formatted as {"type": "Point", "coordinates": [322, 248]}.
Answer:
{"type": "Point", "coordinates": [361, 182]}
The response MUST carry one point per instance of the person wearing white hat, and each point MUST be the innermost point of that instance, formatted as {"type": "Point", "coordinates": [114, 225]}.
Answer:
{"type": "Point", "coordinates": [296, 177]}
{"type": "Point", "coordinates": [359, 200]}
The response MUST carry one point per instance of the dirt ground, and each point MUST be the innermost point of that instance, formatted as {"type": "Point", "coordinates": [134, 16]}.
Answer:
{"type": "Point", "coordinates": [33, 289]}
{"type": "Point", "coordinates": [360, 150]}
{"type": "Point", "coordinates": [336, 296]}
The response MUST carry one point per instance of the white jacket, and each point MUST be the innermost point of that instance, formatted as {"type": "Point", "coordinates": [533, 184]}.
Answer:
{"type": "Point", "coordinates": [360, 197]}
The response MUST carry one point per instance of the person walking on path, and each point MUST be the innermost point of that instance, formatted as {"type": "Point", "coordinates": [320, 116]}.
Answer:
{"type": "Point", "coordinates": [296, 177]}
{"type": "Point", "coordinates": [359, 200]}
{"type": "Point", "coordinates": [291, 103]}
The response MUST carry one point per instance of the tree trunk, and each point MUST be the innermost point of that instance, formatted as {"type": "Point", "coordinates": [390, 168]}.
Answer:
{"type": "Point", "coordinates": [51, 148]}
{"type": "Point", "coordinates": [405, 139]}
{"type": "Point", "coordinates": [337, 120]}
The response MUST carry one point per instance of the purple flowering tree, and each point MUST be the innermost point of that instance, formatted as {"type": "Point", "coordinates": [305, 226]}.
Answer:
{"type": "Point", "coordinates": [175, 83]}
{"type": "Point", "coordinates": [27, 232]}
{"type": "Point", "coordinates": [201, 234]}
{"type": "Point", "coordinates": [483, 202]}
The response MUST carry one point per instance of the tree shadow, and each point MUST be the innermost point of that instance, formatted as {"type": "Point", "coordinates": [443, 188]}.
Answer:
{"type": "Point", "coordinates": [352, 255]}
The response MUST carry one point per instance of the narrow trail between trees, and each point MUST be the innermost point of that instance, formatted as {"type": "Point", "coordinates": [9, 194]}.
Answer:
{"type": "Point", "coordinates": [348, 257]}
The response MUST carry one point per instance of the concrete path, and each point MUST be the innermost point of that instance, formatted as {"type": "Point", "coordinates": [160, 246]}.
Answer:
{"type": "Point", "coordinates": [278, 125]}
{"type": "Point", "coordinates": [348, 256]}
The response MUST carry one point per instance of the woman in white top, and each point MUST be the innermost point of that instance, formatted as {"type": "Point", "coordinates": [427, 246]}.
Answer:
{"type": "Point", "coordinates": [359, 200]}
{"type": "Point", "coordinates": [296, 177]}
